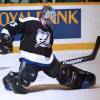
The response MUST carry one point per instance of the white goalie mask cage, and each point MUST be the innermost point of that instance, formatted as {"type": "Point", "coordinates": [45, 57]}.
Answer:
{"type": "Point", "coordinates": [48, 13]}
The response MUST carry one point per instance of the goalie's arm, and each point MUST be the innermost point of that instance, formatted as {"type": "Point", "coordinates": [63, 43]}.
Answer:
{"type": "Point", "coordinates": [7, 36]}
{"type": "Point", "coordinates": [13, 28]}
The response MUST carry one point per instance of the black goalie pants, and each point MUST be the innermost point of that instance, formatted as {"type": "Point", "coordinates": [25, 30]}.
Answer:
{"type": "Point", "coordinates": [29, 72]}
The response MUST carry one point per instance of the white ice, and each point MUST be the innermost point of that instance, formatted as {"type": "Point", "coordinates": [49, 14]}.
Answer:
{"type": "Point", "coordinates": [11, 61]}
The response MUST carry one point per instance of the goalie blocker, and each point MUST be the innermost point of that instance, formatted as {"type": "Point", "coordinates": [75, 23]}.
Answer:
{"type": "Point", "coordinates": [66, 75]}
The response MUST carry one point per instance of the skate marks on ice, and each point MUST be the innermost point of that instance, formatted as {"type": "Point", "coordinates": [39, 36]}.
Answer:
{"type": "Point", "coordinates": [2, 68]}
{"type": "Point", "coordinates": [43, 87]}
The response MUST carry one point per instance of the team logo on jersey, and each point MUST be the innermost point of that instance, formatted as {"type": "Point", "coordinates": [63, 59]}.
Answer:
{"type": "Point", "coordinates": [42, 38]}
{"type": "Point", "coordinates": [13, 24]}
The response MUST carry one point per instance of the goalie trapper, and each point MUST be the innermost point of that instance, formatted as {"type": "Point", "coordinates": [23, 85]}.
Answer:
{"type": "Point", "coordinates": [5, 44]}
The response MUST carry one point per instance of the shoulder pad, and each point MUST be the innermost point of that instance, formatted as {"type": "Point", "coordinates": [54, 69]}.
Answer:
{"type": "Point", "coordinates": [28, 19]}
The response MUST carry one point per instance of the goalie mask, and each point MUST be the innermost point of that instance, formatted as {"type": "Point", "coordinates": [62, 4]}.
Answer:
{"type": "Point", "coordinates": [48, 13]}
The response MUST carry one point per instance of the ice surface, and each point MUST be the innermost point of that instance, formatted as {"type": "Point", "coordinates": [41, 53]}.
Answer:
{"type": "Point", "coordinates": [11, 61]}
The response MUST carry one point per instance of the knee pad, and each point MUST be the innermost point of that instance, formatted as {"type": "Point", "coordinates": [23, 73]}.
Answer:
{"type": "Point", "coordinates": [27, 78]}
{"type": "Point", "coordinates": [27, 74]}
{"type": "Point", "coordinates": [75, 77]}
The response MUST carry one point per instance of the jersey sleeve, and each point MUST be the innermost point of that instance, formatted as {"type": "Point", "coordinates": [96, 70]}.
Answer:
{"type": "Point", "coordinates": [13, 28]}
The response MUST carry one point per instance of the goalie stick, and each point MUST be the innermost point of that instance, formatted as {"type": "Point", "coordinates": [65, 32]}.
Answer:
{"type": "Point", "coordinates": [85, 58]}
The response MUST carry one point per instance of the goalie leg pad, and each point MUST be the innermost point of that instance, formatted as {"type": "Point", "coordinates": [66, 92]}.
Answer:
{"type": "Point", "coordinates": [27, 73]}
{"type": "Point", "coordinates": [75, 77]}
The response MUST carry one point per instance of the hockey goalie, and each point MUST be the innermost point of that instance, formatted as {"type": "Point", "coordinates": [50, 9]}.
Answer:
{"type": "Point", "coordinates": [36, 54]}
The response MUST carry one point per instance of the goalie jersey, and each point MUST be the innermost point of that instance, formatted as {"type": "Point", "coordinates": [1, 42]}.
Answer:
{"type": "Point", "coordinates": [36, 42]}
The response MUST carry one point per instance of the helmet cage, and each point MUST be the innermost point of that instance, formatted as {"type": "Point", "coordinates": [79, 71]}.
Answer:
{"type": "Point", "coordinates": [48, 13]}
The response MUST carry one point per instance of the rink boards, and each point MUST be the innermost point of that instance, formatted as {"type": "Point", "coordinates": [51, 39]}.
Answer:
{"type": "Point", "coordinates": [75, 27]}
